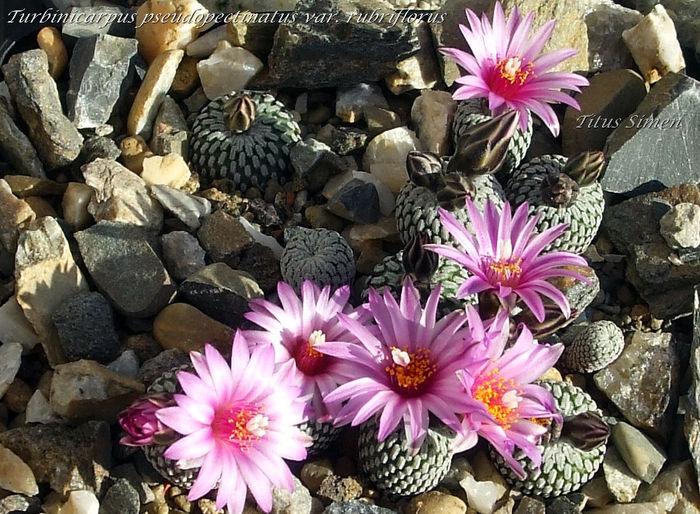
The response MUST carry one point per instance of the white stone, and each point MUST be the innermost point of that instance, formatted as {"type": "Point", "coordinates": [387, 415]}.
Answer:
{"type": "Point", "coordinates": [432, 114]}
{"type": "Point", "coordinates": [170, 170]}
{"type": "Point", "coordinates": [205, 44]}
{"type": "Point", "coordinates": [680, 226]}
{"type": "Point", "coordinates": [10, 361]}
{"type": "Point", "coordinates": [385, 156]}
{"type": "Point", "coordinates": [39, 410]}
{"type": "Point", "coordinates": [481, 496]}
{"type": "Point", "coordinates": [182, 253]}
{"type": "Point", "coordinates": [188, 208]}
{"type": "Point", "coordinates": [80, 502]}
{"type": "Point", "coordinates": [14, 326]}
{"type": "Point", "coordinates": [654, 45]}
{"type": "Point", "coordinates": [15, 475]}
{"type": "Point", "coordinates": [351, 101]}
{"type": "Point", "coordinates": [227, 70]}
{"type": "Point", "coordinates": [75, 205]}
{"type": "Point", "coordinates": [261, 238]}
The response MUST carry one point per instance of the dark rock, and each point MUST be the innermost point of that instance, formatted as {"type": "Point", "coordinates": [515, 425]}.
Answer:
{"type": "Point", "coordinates": [691, 424]}
{"type": "Point", "coordinates": [633, 227]}
{"type": "Point", "coordinates": [666, 149]}
{"type": "Point", "coordinates": [356, 201]}
{"type": "Point", "coordinates": [128, 472]}
{"type": "Point", "coordinates": [17, 147]}
{"type": "Point", "coordinates": [169, 130]}
{"type": "Point", "coordinates": [99, 76]}
{"type": "Point", "coordinates": [338, 489]}
{"type": "Point", "coordinates": [605, 22]}
{"type": "Point", "coordinates": [85, 325]}
{"type": "Point", "coordinates": [98, 147]}
{"type": "Point", "coordinates": [34, 91]}
{"type": "Point", "coordinates": [187, 208]}
{"type": "Point", "coordinates": [356, 507]}
{"type": "Point", "coordinates": [125, 268]}
{"type": "Point", "coordinates": [164, 361]}
{"type": "Point", "coordinates": [112, 20]}
{"type": "Point", "coordinates": [16, 503]}
{"type": "Point", "coordinates": [182, 254]}
{"type": "Point", "coordinates": [312, 53]}
{"type": "Point", "coordinates": [259, 261]}
{"type": "Point", "coordinates": [68, 458]}
{"type": "Point", "coordinates": [121, 498]}
{"type": "Point", "coordinates": [315, 162]}
{"type": "Point", "coordinates": [221, 292]}
{"type": "Point", "coordinates": [643, 382]}
{"type": "Point", "coordinates": [346, 140]}
{"type": "Point", "coordinates": [223, 236]}
{"type": "Point", "coordinates": [562, 505]}
{"type": "Point", "coordinates": [530, 505]}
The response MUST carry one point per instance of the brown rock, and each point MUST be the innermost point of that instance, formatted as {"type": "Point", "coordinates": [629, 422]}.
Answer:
{"type": "Point", "coordinates": [337, 489]}
{"type": "Point", "coordinates": [223, 236]}
{"type": "Point", "coordinates": [17, 395]}
{"type": "Point", "coordinates": [75, 205]}
{"type": "Point", "coordinates": [23, 186]}
{"type": "Point", "coordinates": [186, 78]}
{"type": "Point", "coordinates": [134, 151]}
{"type": "Point", "coordinates": [435, 502]}
{"type": "Point", "coordinates": [14, 213]}
{"type": "Point", "coordinates": [50, 41]}
{"type": "Point", "coordinates": [186, 328]}
{"type": "Point", "coordinates": [41, 207]}
{"type": "Point", "coordinates": [15, 475]}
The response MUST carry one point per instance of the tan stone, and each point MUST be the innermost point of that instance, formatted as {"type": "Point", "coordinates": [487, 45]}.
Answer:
{"type": "Point", "coordinates": [15, 475]}
{"type": "Point", "coordinates": [253, 36]}
{"type": "Point", "coordinates": [23, 186]}
{"type": "Point", "coordinates": [41, 207]}
{"type": "Point", "coordinates": [432, 114]}
{"type": "Point", "coordinates": [75, 205]}
{"type": "Point", "coordinates": [228, 69]}
{"type": "Point", "coordinates": [157, 30]}
{"type": "Point", "coordinates": [434, 502]}
{"type": "Point", "coordinates": [170, 170]}
{"type": "Point", "coordinates": [45, 275]}
{"type": "Point", "coordinates": [50, 41]}
{"type": "Point", "coordinates": [187, 328]}
{"type": "Point", "coordinates": [134, 151]}
{"type": "Point", "coordinates": [14, 326]}
{"type": "Point", "coordinates": [186, 78]}
{"type": "Point", "coordinates": [155, 86]}
{"type": "Point", "coordinates": [14, 213]}
{"type": "Point", "coordinates": [85, 389]}
{"type": "Point", "coordinates": [654, 45]}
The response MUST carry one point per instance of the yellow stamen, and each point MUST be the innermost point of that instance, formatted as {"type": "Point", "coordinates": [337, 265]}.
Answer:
{"type": "Point", "coordinates": [512, 70]}
{"type": "Point", "coordinates": [411, 369]}
{"type": "Point", "coordinates": [315, 338]}
{"type": "Point", "coordinates": [241, 425]}
{"type": "Point", "coordinates": [500, 396]}
{"type": "Point", "coordinates": [505, 268]}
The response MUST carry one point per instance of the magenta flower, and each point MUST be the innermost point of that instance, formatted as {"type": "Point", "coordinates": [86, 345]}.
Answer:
{"type": "Point", "coordinates": [406, 368]}
{"type": "Point", "coordinates": [295, 331]}
{"type": "Point", "coordinates": [502, 405]}
{"type": "Point", "coordinates": [505, 257]}
{"type": "Point", "coordinates": [506, 67]}
{"type": "Point", "coordinates": [140, 423]}
{"type": "Point", "coordinates": [238, 424]}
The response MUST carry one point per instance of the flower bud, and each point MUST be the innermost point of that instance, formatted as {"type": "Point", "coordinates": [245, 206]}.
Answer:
{"type": "Point", "coordinates": [424, 169]}
{"type": "Point", "coordinates": [239, 112]}
{"type": "Point", "coordinates": [419, 264]}
{"type": "Point", "coordinates": [140, 423]}
{"type": "Point", "coordinates": [585, 431]}
{"type": "Point", "coordinates": [585, 168]}
{"type": "Point", "coordinates": [559, 190]}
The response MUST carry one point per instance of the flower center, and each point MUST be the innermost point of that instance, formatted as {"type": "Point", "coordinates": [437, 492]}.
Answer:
{"type": "Point", "coordinates": [309, 360]}
{"type": "Point", "coordinates": [241, 425]}
{"type": "Point", "coordinates": [511, 70]}
{"type": "Point", "coordinates": [500, 396]}
{"type": "Point", "coordinates": [505, 271]}
{"type": "Point", "coordinates": [410, 370]}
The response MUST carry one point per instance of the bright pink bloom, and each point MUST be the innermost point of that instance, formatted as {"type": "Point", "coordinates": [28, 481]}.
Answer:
{"type": "Point", "coordinates": [238, 424]}
{"type": "Point", "coordinates": [502, 404]}
{"type": "Point", "coordinates": [505, 257]}
{"type": "Point", "coordinates": [295, 331]}
{"type": "Point", "coordinates": [406, 368]}
{"type": "Point", "coordinates": [506, 67]}
{"type": "Point", "coordinates": [140, 423]}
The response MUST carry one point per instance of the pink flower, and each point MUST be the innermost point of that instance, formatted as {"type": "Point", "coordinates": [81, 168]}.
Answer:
{"type": "Point", "coordinates": [506, 67]}
{"type": "Point", "coordinates": [406, 368]}
{"type": "Point", "coordinates": [502, 405]}
{"type": "Point", "coordinates": [296, 329]}
{"type": "Point", "coordinates": [140, 423]}
{"type": "Point", "coordinates": [505, 257]}
{"type": "Point", "coordinates": [238, 424]}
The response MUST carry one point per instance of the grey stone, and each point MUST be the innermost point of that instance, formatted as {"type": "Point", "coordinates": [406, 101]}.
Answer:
{"type": "Point", "coordinates": [562, 505]}
{"type": "Point", "coordinates": [643, 381]}
{"type": "Point", "coordinates": [17, 147]}
{"type": "Point", "coordinates": [221, 292]}
{"type": "Point", "coordinates": [356, 201]}
{"type": "Point", "coordinates": [530, 505]}
{"type": "Point", "coordinates": [85, 325]}
{"type": "Point", "coordinates": [356, 507]}
{"type": "Point", "coordinates": [318, 54]}
{"type": "Point", "coordinates": [34, 91]}
{"type": "Point", "coordinates": [666, 149]}
{"type": "Point", "coordinates": [128, 472]}
{"type": "Point", "coordinates": [352, 100]}
{"type": "Point", "coordinates": [68, 458]}
{"type": "Point", "coordinates": [622, 483]}
{"type": "Point", "coordinates": [691, 423]}
{"type": "Point", "coordinates": [170, 130]}
{"type": "Point", "coordinates": [182, 253]}
{"type": "Point", "coordinates": [605, 22]}
{"type": "Point", "coordinates": [16, 503]}
{"type": "Point", "coordinates": [186, 207]}
{"type": "Point", "coordinates": [86, 21]}
{"type": "Point", "coordinates": [10, 361]}
{"type": "Point", "coordinates": [675, 488]}
{"type": "Point", "coordinates": [642, 456]}
{"type": "Point", "coordinates": [125, 268]}
{"type": "Point", "coordinates": [315, 162]}
{"type": "Point", "coordinates": [347, 140]}
{"type": "Point", "coordinates": [99, 76]}
{"type": "Point", "coordinates": [680, 226]}
{"type": "Point", "coordinates": [98, 147]}
{"type": "Point", "coordinates": [121, 498]}
{"type": "Point", "coordinates": [633, 227]}
{"type": "Point", "coordinates": [297, 501]}
{"type": "Point", "coordinates": [126, 364]}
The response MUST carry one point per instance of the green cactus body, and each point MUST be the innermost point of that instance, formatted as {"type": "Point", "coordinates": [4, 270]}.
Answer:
{"type": "Point", "coordinates": [249, 158]}
{"type": "Point", "coordinates": [564, 468]}
{"type": "Point", "coordinates": [323, 435]}
{"type": "Point", "coordinates": [583, 215]}
{"type": "Point", "coordinates": [593, 347]}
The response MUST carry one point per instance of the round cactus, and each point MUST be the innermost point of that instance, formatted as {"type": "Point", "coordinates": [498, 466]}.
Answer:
{"type": "Point", "coordinates": [320, 255]}
{"type": "Point", "coordinates": [594, 346]}
{"type": "Point", "coordinates": [245, 137]}
{"type": "Point", "coordinates": [322, 434]}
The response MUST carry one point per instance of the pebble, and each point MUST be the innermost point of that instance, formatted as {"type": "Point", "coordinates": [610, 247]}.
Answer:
{"type": "Point", "coordinates": [120, 195]}
{"type": "Point", "coordinates": [182, 254]}
{"type": "Point", "coordinates": [481, 496]}
{"type": "Point", "coordinates": [134, 150]}
{"type": "Point", "coordinates": [156, 38]}
{"type": "Point", "coordinates": [16, 503]}
{"type": "Point", "coordinates": [253, 35]}
{"type": "Point", "coordinates": [228, 69]}
{"type": "Point", "coordinates": [351, 101]}
{"type": "Point", "coordinates": [50, 41]}
{"type": "Point", "coordinates": [85, 325]}
{"type": "Point", "coordinates": [675, 488]}
{"type": "Point", "coordinates": [419, 71]}
{"type": "Point", "coordinates": [75, 205]}
{"type": "Point", "coordinates": [643, 457]}
{"type": "Point", "coordinates": [46, 275]}
{"type": "Point", "coordinates": [356, 507]}
{"type": "Point", "coordinates": [166, 360]}
{"type": "Point", "coordinates": [170, 129]}
{"type": "Point", "coordinates": [654, 45]}
{"type": "Point", "coordinates": [435, 502]}
{"type": "Point", "coordinates": [125, 268]}
{"type": "Point", "coordinates": [18, 395]}
{"type": "Point", "coordinates": [136, 481]}
{"type": "Point", "coordinates": [187, 208]}
{"type": "Point", "coordinates": [39, 410]}
{"type": "Point", "coordinates": [14, 327]}
{"type": "Point", "coordinates": [380, 120]}
{"type": "Point", "coordinates": [126, 364]}
{"type": "Point", "coordinates": [80, 502]}
{"type": "Point", "coordinates": [17, 147]}
{"type": "Point", "coordinates": [223, 236]}
{"type": "Point", "coordinates": [23, 186]}
{"type": "Point", "coordinates": [221, 292]}
{"type": "Point", "coordinates": [297, 501]}
{"type": "Point", "coordinates": [169, 170]}
{"type": "Point", "coordinates": [14, 214]}
{"type": "Point", "coordinates": [385, 156]}
{"type": "Point", "coordinates": [186, 328]}
{"type": "Point", "coordinates": [597, 492]}
{"type": "Point", "coordinates": [319, 217]}
{"type": "Point", "coordinates": [314, 472]}
{"type": "Point", "coordinates": [121, 498]}
{"type": "Point", "coordinates": [15, 475]}
{"type": "Point", "coordinates": [356, 201]}
{"type": "Point", "coordinates": [432, 114]}
{"type": "Point", "coordinates": [205, 44]}
{"type": "Point", "coordinates": [621, 482]}
{"type": "Point", "coordinates": [261, 239]}
{"type": "Point", "coordinates": [337, 489]}
{"type": "Point", "coordinates": [56, 139]}
{"type": "Point", "coordinates": [153, 89]}
{"type": "Point", "coordinates": [680, 226]}
{"type": "Point", "coordinates": [186, 79]}
{"type": "Point", "coordinates": [530, 505]}
{"type": "Point", "coordinates": [315, 162]}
